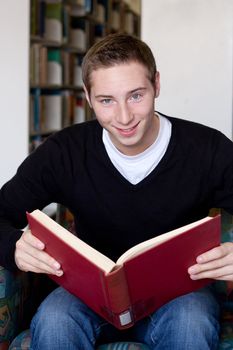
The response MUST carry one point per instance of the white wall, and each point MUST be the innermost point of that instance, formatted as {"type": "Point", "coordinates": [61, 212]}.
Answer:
{"type": "Point", "coordinates": [14, 85]}
{"type": "Point", "coordinates": [192, 42]}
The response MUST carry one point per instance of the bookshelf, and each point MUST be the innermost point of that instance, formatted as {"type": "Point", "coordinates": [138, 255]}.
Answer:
{"type": "Point", "coordinates": [61, 31]}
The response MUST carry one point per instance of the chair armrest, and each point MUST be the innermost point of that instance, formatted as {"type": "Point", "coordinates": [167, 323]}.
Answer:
{"type": "Point", "coordinates": [13, 288]}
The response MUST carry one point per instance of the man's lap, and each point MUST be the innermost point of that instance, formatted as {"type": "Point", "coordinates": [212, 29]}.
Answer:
{"type": "Point", "coordinates": [182, 318]}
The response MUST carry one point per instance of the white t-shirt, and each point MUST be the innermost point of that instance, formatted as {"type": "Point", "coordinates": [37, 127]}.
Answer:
{"type": "Point", "coordinates": [136, 168]}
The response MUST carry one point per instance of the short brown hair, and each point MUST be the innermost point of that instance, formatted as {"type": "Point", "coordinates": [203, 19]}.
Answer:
{"type": "Point", "coordinates": [116, 49]}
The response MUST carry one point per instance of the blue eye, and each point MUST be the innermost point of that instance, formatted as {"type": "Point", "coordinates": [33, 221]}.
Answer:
{"type": "Point", "coordinates": [106, 101]}
{"type": "Point", "coordinates": [136, 97]}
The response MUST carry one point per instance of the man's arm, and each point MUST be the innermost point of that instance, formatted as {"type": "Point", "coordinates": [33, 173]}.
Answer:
{"type": "Point", "coordinates": [218, 262]}
{"type": "Point", "coordinates": [35, 185]}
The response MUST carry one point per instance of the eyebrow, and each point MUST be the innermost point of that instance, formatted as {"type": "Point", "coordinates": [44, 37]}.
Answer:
{"type": "Point", "coordinates": [103, 96]}
{"type": "Point", "coordinates": [130, 92]}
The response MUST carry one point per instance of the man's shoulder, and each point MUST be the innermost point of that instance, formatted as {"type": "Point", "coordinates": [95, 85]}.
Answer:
{"type": "Point", "coordinates": [85, 127]}
{"type": "Point", "coordinates": [189, 128]}
{"type": "Point", "coordinates": [197, 137]}
{"type": "Point", "coordinates": [187, 124]}
{"type": "Point", "coordinates": [70, 140]}
{"type": "Point", "coordinates": [78, 133]}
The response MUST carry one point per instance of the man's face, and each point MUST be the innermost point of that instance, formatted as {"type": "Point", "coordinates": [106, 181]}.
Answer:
{"type": "Point", "coordinates": [122, 97]}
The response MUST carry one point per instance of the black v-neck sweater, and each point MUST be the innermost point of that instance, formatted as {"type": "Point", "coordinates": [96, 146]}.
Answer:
{"type": "Point", "coordinates": [73, 168]}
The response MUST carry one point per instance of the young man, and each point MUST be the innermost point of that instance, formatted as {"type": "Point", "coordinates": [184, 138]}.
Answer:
{"type": "Point", "coordinates": [129, 175]}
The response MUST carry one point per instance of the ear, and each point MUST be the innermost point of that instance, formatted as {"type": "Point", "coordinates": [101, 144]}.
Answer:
{"type": "Point", "coordinates": [87, 96]}
{"type": "Point", "coordinates": [157, 84]}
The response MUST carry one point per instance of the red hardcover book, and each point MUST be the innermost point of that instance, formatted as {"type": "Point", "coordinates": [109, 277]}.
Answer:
{"type": "Point", "coordinates": [143, 278]}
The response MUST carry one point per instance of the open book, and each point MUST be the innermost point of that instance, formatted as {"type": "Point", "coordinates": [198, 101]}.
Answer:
{"type": "Point", "coordinates": [145, 277]}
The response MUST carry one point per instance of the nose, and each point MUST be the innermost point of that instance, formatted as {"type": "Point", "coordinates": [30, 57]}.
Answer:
{"type": "Point", "coordinates": [123, 114]}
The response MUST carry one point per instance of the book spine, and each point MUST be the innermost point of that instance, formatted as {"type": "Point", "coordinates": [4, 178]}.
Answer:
{"type": "Point", "coordinates": [118, 299]}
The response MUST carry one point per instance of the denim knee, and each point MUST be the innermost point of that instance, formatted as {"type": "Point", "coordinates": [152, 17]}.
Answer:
{"type": "Point", "coordinates": [64, 322]}
{"type": "Point", "coordinates": [187, 322]}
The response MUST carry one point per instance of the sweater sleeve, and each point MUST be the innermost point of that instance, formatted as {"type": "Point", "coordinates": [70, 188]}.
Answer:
{"type": "Point", "coordinates": [221, 173]}
{"type": "Point", "coordinates": [35, 185]}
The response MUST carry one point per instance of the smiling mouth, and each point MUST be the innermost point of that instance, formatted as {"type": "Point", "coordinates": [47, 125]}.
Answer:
{"type": "Point", "coordinates": [128, 130]}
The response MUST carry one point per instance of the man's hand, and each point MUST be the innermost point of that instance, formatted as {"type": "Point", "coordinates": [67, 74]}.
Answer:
{"type": "Point", "coordinates": [216, 264]}
{"type": "Point", "coordinates": [30, 256]}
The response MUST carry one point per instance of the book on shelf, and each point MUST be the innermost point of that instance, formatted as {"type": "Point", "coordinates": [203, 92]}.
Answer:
{"type": "Point", "coordinates": [145, 277]}
{"type": "Point", "coordinates": [115, 20]}
{"type": "Point", "coordinates": [51, 111]}
{"type": "Point", "coordinates": [72, 71]}
{"type": "Point", "coordinates": [54, 67]}
{"type": "Point", "coordinates": [129, 22]}
{"type": "Point", "coordinates": [99, 32]}
{"type": "Point", "coordinates": [35, 109]}
{"type": "Point", "coordinates": [81, 7]}
{"type": "Point", "coordinates": [33, 15]}
{"type": "Point", "coordinates": [79, 109]}
{"type": "Point", "coordinates": [77, 72]}
{"type": "Point", "coordinates": [38, 64]}
{"type": "Point", "coordinates": [53, 21]}
{"type": "Point", "coordinates": [35, 63]}
{"type": "Point", "coordinates": [73, 108]}
{"type": "Point", "coordinates": [79, 33]}
{"type": "Point", "coordinates": [65, 23]}
{"type": "Point", "coordinates": [67, 65]}
{"type": "Point", "coordinates": [37, 18]}
{"type": "Point", "coordinates": [46, 111]}
{"type": "Point", "coordinates": [67, 108]}
{"type": "Point", "coordinates": [100, 13]}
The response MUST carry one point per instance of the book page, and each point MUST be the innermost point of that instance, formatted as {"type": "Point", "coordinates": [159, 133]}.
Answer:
{"type": "Point", "coordinates": [143, 246]}
{"type": "Point", "coordinates": [73, 241]}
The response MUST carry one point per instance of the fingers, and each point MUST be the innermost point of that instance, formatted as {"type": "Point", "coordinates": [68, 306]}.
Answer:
{"type": "Point", "coordinates": [30, 256]}
{"type": "Point", "coordinates": [32, 241]}
{"type": "Point", "coordinates": [225, 274]}
{"type": "Point", "coordinates": [29, 263]}
{"type": "Point", "coordinates": [216, 264]}
{"type": "Point", "coordinates": [216, 253]}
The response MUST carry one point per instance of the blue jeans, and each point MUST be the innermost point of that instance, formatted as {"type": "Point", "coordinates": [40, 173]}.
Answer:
{"type": "Point", "coordinates": [189, 322]}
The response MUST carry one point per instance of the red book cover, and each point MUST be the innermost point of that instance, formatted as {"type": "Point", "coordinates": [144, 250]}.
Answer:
{"type": "Point", "coordinates": [160, 274]}
{"type": "Point", "coordinates": [139, 282]}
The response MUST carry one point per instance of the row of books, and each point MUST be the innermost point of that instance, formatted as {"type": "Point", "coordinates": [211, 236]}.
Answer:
{"type": "Point", "coordinates": [54, 66]}
{"type": "Point", "coordinates": [53, 110]}
{"type": "Point", "coordinates": [122, 20]}
{"type": "Point", "coordinates": [130, 23]}
{"type": "Point", "coordinates": [69, 22]}
{"type": "Point", "coordinates": [64, 24]}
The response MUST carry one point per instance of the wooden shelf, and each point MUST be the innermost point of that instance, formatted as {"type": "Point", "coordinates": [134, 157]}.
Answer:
{"type": "Point", "coordinates": [56, 44]}
{"type": "Point", "coordinates": [57, 87]}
